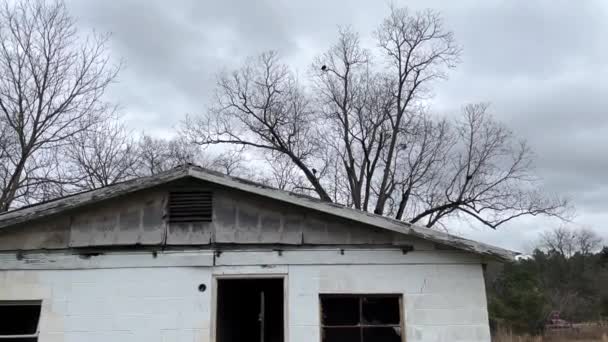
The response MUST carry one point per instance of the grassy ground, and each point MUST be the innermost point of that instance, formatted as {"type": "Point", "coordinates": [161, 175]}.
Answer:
{"type": "Point", "coordinates": [580, 333]}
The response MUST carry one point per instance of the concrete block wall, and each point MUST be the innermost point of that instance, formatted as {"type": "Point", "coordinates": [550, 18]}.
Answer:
{"type": "Point", "coordinates": [441, 302]}
{"type": "Point", "coordinates": [130, 305]}
{"type": "Point", "coordinates": [140, 219]}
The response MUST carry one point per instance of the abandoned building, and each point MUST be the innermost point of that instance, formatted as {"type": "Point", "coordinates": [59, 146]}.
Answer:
{"type": "Point", "coordinates": [193, 255]}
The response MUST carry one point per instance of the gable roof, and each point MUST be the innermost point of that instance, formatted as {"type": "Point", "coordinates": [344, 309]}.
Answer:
{"type": "Point", "coordinates": [40, 210]}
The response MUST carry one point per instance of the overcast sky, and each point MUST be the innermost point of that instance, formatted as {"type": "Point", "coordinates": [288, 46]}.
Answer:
{"type": "Point", "coordinates": [541, 64]}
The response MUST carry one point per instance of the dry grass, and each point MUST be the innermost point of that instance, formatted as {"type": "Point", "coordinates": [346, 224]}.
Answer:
{"type": "Point", "coordinates": [581, 333]}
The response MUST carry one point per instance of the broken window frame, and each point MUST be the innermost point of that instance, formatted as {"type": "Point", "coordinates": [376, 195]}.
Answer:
{"type": "Point", "coordinates": [25, 337]}
{"type": "Point", "coordinates": [361, 326]}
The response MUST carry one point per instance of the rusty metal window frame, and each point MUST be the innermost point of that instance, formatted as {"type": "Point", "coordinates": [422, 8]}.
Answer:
{"type": "Point", "coordinates": [25, 337]}
{"type": "Point", "coordinates": [361, 326]}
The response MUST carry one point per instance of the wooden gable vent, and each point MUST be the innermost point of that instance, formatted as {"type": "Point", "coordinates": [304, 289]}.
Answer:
{"type": "Point", "coordinates": [190, 206]}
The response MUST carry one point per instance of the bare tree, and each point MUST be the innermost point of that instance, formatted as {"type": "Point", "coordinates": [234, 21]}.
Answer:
{"type": "Point", "coordinates": [369, 113]}
{"type": "Point", "coordinates": [362, 135]}
{"type": "Point", "coordinates": [569, 241]}
{"type": "Point", "coordinates": [44, 178]}
{"type": "Point", "coordinates": [283, 174]}
{"type": "Point", "coordinates": [101, 155]}
{"type": "Point", "coordinates": [489, 176]}
{"type": "Point", "coordinates": [356, 112]}
{"type": "Point", "coordinates": [229, 162]}
{"type": "Point", "coordinates": [422, 158]}
{"type": "Point", "coordinates": [560, 240]}
{"type": "Point", "coordinates": [155, 155]}
{"type": "Point", "coordinates": [588, 241]}
{"type": "Point", "coordinates": [418, 50]}
{"type": "Point", "coordinates": [51, 89]}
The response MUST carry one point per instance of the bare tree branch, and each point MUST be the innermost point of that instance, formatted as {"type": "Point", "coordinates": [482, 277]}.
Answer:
{"type": "Point", "coordinates": [101, 155]}
{"type": "Point", "coordinates": [567, 241]}
{"type": "Point", "coordinates": [51, 87]}
{"type": "Point", "coordinates": [489, 176]}
{"type": "Point", "coordinates": [418, 50]}
{"type": "Point", "coordinates": [262, 106]}
{"type": "Point", "coordinates": [155, 155]}
{"type": "Point", "coordinates": [361, 134]}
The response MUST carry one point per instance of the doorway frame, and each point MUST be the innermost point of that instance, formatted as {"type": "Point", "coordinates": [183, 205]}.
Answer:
{"type": "Point", "coordinates": [250, 276]}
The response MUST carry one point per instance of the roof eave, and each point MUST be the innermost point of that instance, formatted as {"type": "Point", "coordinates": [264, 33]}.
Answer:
{"type": "Point", "coordinates": [358, 215]}
{"type": "Point", "coordinates": [22, 215]}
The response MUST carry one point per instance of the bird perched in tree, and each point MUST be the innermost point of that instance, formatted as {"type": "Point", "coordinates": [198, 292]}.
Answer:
{"type": "Point", "coordinates": [314, 171]}
{"type": "Point", "coordinates": [324, 68]}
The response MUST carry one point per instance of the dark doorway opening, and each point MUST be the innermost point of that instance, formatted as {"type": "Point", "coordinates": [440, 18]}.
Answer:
{"type": "Point", "coordinates": [250, 310]}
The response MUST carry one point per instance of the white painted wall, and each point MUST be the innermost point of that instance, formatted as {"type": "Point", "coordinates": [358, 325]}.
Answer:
{"type": "Point", "coordinates": [130, 304]}
{"type": "Point", "coordinates": [443, 301]}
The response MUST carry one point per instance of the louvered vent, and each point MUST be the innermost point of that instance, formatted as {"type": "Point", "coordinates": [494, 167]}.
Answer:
{"type": "Point", "coordinates": [190, 206]}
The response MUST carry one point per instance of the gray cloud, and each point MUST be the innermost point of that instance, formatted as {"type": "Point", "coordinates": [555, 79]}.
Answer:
{"type": "Point", "coordinates": [540, 63]}
{"type": "Point", "coordinates": [531, 39]}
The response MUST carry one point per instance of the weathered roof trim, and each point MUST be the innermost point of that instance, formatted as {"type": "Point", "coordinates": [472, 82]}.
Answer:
{"type": "Point", "coordinates": [58, 205]}
{"type": "Point", "coordinates": [53, 207]}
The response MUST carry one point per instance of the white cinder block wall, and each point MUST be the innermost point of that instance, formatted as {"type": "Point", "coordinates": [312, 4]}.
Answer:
{"type": "Point", "coordinates": [103, 305]}
{"type": "Point", "coordinates": [442, 302]}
